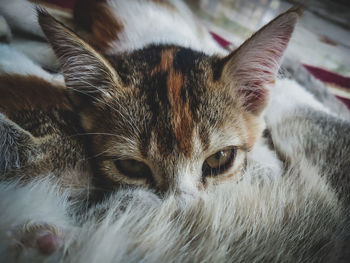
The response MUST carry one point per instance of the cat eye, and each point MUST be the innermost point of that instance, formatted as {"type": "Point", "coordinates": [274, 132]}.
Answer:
{"type": "Point", "coordinates": [219, 162]}
{"type": "Point", "coordinates": [133, 169]}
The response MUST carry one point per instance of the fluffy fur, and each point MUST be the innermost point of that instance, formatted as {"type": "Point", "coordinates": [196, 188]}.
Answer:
{"type": "Point", "coordinates": [300, 219]}
{"type": "Point", "coordinates": [17, 16]}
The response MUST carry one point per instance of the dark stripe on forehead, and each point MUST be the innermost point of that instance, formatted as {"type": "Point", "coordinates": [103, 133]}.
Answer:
{"type": "Point", "coordinates": [166, 61]}
{"type": "Point", "coordinates": [158, 101]}
{"type": "Point", "coordinates": [181, 117]}
{"type": "Point", "coordinates": [194, 65]}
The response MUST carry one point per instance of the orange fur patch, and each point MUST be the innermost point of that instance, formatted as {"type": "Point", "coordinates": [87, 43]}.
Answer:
{"type": "Point", "coordinates": [166, 61]}
{"type": "Point", "coordinates": [182, 119]}
{"type": "Point", "coordinates": [254, 128]}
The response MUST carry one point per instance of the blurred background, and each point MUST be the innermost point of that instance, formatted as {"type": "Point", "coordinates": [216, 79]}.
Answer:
{"type": "Point", "coordinates": [321, 41]}
{"type": "Point", "coordinates": [322, 37]}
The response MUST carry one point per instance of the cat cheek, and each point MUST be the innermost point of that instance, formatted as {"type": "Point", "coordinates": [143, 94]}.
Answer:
{"type": "Point", "coordinates": [256, 126]}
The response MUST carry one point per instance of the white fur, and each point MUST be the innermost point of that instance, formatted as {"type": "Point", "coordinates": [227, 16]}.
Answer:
{"type": "Point", "coordinates": [264, 159]}
{"type": "Point", "coordinates": [145, 23]}
{"type": "Point", "coordinates": [245, 222]}
{"type": "Point", "coordinates": [39, 52]}
{"type": "Point", "coordinates": [286, 97]}
{"type": "Point", "coordinates": [5, 31]}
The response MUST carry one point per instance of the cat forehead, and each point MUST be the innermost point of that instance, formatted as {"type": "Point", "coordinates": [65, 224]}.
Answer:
{"type": "Point", "coordinates": [156, 60]}
{"type": "Point", "coordinates": [170, 97]}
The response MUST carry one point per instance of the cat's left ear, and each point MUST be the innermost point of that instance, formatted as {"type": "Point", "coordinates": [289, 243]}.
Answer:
{"type": "Point", "coordinates": [250, 70]}
{"type": "Point", "coordinates": [86, 72]}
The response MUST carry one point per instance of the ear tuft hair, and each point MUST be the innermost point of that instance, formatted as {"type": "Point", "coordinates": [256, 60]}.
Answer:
{"type": "Point", "coordinates": [84, 69]}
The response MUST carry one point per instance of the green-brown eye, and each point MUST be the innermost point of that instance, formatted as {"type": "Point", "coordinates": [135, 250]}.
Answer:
{"type": "Point", "coordinates": [219, 162]}
{"type": "Point", "coordinates": [133, 169]}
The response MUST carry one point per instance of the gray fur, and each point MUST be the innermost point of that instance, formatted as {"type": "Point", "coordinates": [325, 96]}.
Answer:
{"type": "Point", "coordinates": [323, 141]}
{"type": "Point", "coordinates": [320, 139]}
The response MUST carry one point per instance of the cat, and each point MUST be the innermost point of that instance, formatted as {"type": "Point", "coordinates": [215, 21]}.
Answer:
{"type": "Point", "coordinates": [321, 138]}
{"type": "Point", "coordinates": [299, 251]}
{"type": "Point", "coordinates": [165, 116]}
{"type": "Point", "coordinates": [171, 118]}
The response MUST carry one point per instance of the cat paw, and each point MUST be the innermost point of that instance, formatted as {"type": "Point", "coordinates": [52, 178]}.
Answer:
{"type": "Point", "coordinates": [45, 239]}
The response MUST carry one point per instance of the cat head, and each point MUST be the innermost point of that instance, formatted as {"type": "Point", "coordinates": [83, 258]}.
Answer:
{"type": "Point", "coordinates": [167, 117]}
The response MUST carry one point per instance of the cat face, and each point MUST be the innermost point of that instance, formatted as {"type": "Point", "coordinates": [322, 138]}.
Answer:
{"type": "Point", "coordinates": [167, 117]}
{"type": "Point", "coordinates": [169, 121]}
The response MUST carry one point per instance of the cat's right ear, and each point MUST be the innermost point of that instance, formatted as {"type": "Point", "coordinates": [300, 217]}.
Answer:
{"type": "Point", "coordinates": [85, 71]}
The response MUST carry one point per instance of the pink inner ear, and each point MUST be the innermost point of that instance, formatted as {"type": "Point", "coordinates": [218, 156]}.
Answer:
{"type": "Point", "coordinates": [255, 99]}
{"type": "Point", "coordinates": [254, 65]}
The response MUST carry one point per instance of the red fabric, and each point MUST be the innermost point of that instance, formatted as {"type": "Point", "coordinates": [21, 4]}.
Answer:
{"type": "Point", "coordinates": [328, 76]}
{"type": "Point", "coordinates": [222, 42]}
{"type": "Point", "coordinates": [332, 78]}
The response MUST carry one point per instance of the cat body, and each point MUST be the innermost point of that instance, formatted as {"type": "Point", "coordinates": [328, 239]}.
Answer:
{"type": "Point", "coordinates": [321, 138]}
{"type": "Point", "coordinates": [40, 132]}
